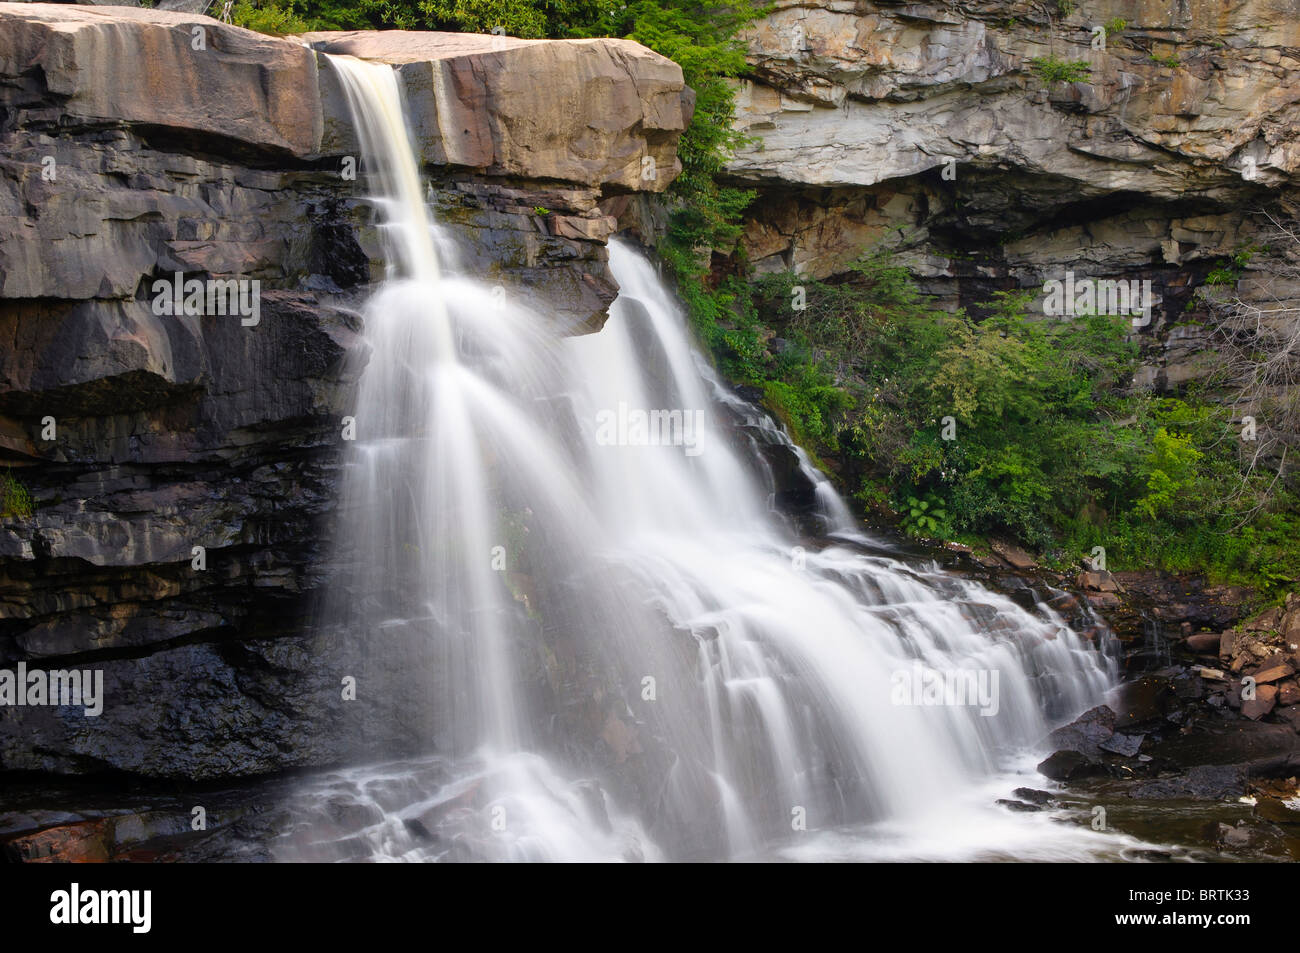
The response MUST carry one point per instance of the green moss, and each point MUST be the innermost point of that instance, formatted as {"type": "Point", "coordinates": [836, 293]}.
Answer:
{"type": "Point", "coordinates": [15, 500]}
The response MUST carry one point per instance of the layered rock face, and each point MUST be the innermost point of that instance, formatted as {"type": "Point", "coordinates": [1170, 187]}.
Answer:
{"type": "Point", "coordinates": [183, 466]}
{"type": "Point", "coordinates": [928, 127]}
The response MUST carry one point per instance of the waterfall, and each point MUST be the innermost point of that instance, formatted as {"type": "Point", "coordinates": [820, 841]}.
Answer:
{"type": "Point", "coordinates": [635, 655]}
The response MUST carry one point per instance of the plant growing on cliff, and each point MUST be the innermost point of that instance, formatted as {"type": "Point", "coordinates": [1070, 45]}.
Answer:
{"type": "Point", "coordinates": [1229, 272]}
{"type": "Point", "coordinates": [1050, 69]}
{"type": "Point", "coordinates": [15, 499]}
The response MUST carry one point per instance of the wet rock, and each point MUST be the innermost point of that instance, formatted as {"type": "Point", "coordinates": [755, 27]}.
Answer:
{"type": "Point", "coordinates": [1276, 811]}
{"type": "Point", "coordinates": [1245, 836]}
{"type": "Point", "coordinates": [1033, 796]}
{"type": "Point", "coordinates": [1152, 856]}
{"type": "Point", "coordinates": [86, 842]}
{"type": "Point", "coordinates": [1013, 555]}
{"type": "Point", "coordinates": [1086, 733]}
{"type": "Point", "coordinates": [1204, 642]}
{"type": "Point", "coordinates": [1212, 782]}
{"type": "Point", "coordinates": [1262, 748]}
{"type": "Point", "coordinates": [1027, 599]}
{"type": "Point", "coordinates": [1290, 715]}
{"type": "Point", "coordinates": [1144, 700]}
{"type": "Point", "coordinates": [1097, 581]}
{"type": "Point", "coordinates": [1125, 745]}
{"type": "Point", "coordinates": [1020, 807]}
{"type": "Point", "coordinates": [1063, 602]}
{"type": "Point", "coordinates": [1288, 692]}
{"type": "Point", "coordinates": [1067, 765]}
{"type": "Point", "coordinates": [1263, 702]}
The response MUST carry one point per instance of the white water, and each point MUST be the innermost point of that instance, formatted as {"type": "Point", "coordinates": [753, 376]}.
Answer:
{"type": "Point", "coordinates": [772, 656]}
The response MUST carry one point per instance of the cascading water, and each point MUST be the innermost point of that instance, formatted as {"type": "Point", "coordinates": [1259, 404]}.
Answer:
{"type": "Point", "coordinates": [636, 657]}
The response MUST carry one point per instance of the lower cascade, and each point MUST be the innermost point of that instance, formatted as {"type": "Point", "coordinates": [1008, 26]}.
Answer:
{"type": "Point", "coordinates": [632, 654]}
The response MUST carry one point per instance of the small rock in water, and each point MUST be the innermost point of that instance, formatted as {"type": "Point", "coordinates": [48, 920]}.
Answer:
{"type": "Point", "coordinates": [1153, 856]}
{"type": "Point", "coordinates": [1019, 806]}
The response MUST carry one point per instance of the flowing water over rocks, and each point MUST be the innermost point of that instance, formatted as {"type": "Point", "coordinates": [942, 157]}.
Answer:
{"type": "Point", "coordinates": [632, 654]}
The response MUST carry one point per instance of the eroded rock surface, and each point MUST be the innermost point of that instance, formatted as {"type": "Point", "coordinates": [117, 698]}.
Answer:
{"type": "Point", "coordinates": [927, 128]}
{"type": "Point", "coordinates": [184, 468]}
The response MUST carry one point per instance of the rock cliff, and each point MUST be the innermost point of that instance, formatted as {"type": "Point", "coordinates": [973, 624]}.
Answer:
{"type": "Point", "coordinates": [939, 129]}
{"type": "Point", "coordinates": [138, 144]}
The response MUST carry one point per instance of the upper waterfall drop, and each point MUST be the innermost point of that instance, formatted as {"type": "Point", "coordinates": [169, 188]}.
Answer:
{"type": "Point", "coordinates": [631, 654]}
{"type": "Point", "coordinates": [378, 108]}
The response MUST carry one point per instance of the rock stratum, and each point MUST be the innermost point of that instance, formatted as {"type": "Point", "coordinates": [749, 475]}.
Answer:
{"type": "Point", "coordinates": [928, 129]}
{"type": "Point", "coordinates": [139, 144]}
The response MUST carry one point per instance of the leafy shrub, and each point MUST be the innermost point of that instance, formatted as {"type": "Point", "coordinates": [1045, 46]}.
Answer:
{"type": "Point", "coordinates": [924, 517]}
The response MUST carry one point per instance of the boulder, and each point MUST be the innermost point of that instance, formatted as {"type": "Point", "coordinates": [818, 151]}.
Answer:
{"type": "Point", "coordinates": [1013, 555]}
{"type": "Point", "coordinates": [1069, 766]}
{"type": "Point", "coordinates": [1086, 733]}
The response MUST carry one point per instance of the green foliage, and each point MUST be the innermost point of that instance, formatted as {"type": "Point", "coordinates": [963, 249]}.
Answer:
{"type": "Point", "coordinates": [1065, 7]}
{"type": "Point", "coordinates": [1116, 25]}
{"type": "Point", "coordinates": [1050, 69]}
{"type": "Point", "coordinates": [1229, 272]}
{"type": "Point", "coordinates": [530, 19]}
{"type": "Point", "coordinates": [1170, 61]}
{"type": "Point", "coordinates": [278, 20]}
{"type": "Point", "coordinates": [1050, 447]}
{"type": "Point", "coordinates": [15, 499]}
{"type": "Point", "coordinates": [924, 517]}
{"type": "Point", "coordinates": [539, 210]}
{"type": "Point", "coordinates": [1171, 470]}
